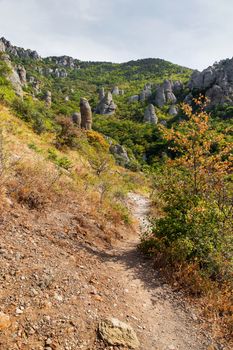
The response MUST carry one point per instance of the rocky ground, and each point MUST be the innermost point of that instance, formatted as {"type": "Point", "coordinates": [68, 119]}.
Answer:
{"type": "Point", "coordinates": [60, 277]}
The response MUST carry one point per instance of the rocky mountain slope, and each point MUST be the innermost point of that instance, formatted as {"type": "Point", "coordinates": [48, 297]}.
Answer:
{"type": "Point", "coordinates": [145, 92]}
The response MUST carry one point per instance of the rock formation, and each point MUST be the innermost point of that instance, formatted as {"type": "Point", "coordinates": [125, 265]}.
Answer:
{"type": "Point", "coordinates": [76, 119]}
{"type": "Point", "coordinates": [117, 333]}
{"type": "Point", "coordinates": [86, 114]}
{"type": "Point", "coordinates": [64, 61]}
{"type": "Point", "coordinates": [164, 94]}
{"type": "Point", "coordinates": [22, 74]}
{"type": "Point", "coordinates": [101, 93]}
{"type": "Point", "coordinates": [115, 90]}
{"type": "Point", "coordinates": [133, 98]}
{"type": "Point", "coordinates": [216, 82]}
{"type": "Point", "coordinates": [173, 110]}
{"type": "Point", "coordinates": [120, 154]}
{"type": "Point", "coordinates": [106, 105]}
{"type": "Point", "coordinates": [48, 99]}
{"type": "Point", "coordinates": [150, 115]}
{"type": "Point", "coordinates": [13, 76]}
{"type": "Point", "coordinates": [145, 93]}
{"type": "Point", "coordinates": [6, 46]}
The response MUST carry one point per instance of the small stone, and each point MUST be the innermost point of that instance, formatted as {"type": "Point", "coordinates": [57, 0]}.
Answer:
{"type": "Point", "coordinates": [58, 297]}
{"type": "Point", "coordinates": [48, 341]}
{"type": "Point", "coordinates": [118, 333]}
{"type": "Point", "coordinates": [18, 311]}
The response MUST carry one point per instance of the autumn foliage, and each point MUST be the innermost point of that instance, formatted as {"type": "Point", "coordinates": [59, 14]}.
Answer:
{"type": "Point", "coordinates": [194, 231]}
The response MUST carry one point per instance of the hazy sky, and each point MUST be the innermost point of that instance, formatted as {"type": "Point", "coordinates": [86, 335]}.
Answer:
{"type": "Point", "coordinates": [193, 33]}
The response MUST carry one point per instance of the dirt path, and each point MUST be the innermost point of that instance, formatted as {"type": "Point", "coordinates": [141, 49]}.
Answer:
{"type": "Point", "coordinates": [160, 318]}
{"type": "Point", "coordinates": [59, 278]}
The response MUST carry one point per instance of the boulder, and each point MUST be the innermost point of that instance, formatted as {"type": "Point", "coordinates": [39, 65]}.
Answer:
{"type": "Point", "coordinates": [76, 119]}
{"type": "Point", "coordinates": [86, 114]}
{"type": "Point", "coordinates": [133, 98]}
{"type": "Point", "coordinates": [150, 115]}
{"type": "Point", "coordinates": [117, 333]}
{"type": "Point", "coordinates": [173, 110]}
{"type": "Point", "coordinates": [115, 90]}
{"type": "Point", "coordinates": [120, 153]}
{"type": "Point", "coordinates": [106, 105]}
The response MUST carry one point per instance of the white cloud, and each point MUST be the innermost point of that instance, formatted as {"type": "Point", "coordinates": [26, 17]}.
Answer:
{"type": "Point", "coordinates": [194, 33]}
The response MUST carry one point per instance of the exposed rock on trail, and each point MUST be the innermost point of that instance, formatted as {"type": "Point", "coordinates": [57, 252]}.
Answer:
{"type": "Point", "coordinates": [115, 332]}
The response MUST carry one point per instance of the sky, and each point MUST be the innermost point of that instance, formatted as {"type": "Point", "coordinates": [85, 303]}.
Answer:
{"type": "Point", "coordinates": [192, 33]}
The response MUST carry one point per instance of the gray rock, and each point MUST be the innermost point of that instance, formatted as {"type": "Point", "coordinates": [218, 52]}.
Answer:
{"type": "Point", "coordinates": [18, 51]}
{"type": "Point", "coordinates": [150, 115]}
{"type": "Point", "coordinates": [2, 46]}
{"type": "Point", "coordinates": [120, 153]}
{"type": "Point", "coordinates": [177, 87]}
{"type": "Point", "coordinates": [133, 98]}
{"type": "Point", "coordinates": [117, 333]}
{"type": "Point", "coordinates": [160, 98]}
{"type": "Point", "coordinates": [101, 93]}
{"type": "Point", "coordinates": [215, 81]}
{"type": "Point", "coordinates": [115, 90]}
{"type": "Point", "coordinates": [106, 105]}
{"type": "Point", "coordinates": [22, 74]}
{"type": "Point", "coordinates": [13, 76]}
{"type": "Point", "coordinates": [164, 94]}
{"type": "Point", "coordinates": [86, 114]}
{"type": "Point", "coordinates": [121, 92]}
{"type": "Point", "coordinates": [76, 119]}
{"type": "Point", "coordinates": [173, 110]}
{"type": "Point", "coordinates": [145, 93]}
{"type": "Point", "coordinates": [64, 61]}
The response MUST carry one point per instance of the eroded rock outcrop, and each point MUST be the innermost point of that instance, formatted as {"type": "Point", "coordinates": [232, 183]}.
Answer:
{"type": "Point", "coordinates": [22, 74]}
{"type": "Point", "coordinates": [146, 92]}
{"type": "Point", "coordinates": [164, 94]}
{"type": "Point", "coordinates": [18, 51]}
{"type": "Point", "coordinates": [150, 115]}
{"type": "Point", "coordinates": [101, 93]}
{"type": "Point", "coordinates": [134, 98]}
{"type": "Point", "coordinates": [120, 154]}
{"type": "Point", "coordinates": [173, 110]}
{"type": "Point", "coordinates": [106, 105]}
{"type": "Point", "coordinates": [86, 114]}
{"type": "Point", "coordinates": [216, 82]}
{"type": "Point", "coordinates": [13, 75]}
{"type": "Point", "coordinates": [115, 90]}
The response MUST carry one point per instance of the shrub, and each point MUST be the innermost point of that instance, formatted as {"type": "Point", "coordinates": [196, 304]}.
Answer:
{"type": "Point", "coordinates": [67, 133]}
{"type": "Point", "coordinates": [195, 189]}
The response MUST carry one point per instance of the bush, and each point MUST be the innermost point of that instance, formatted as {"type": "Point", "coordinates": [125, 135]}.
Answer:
{"type": "Point", "coordinates": [195, 190]}
{"type": "Point", "coordinates": [67, 133]}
